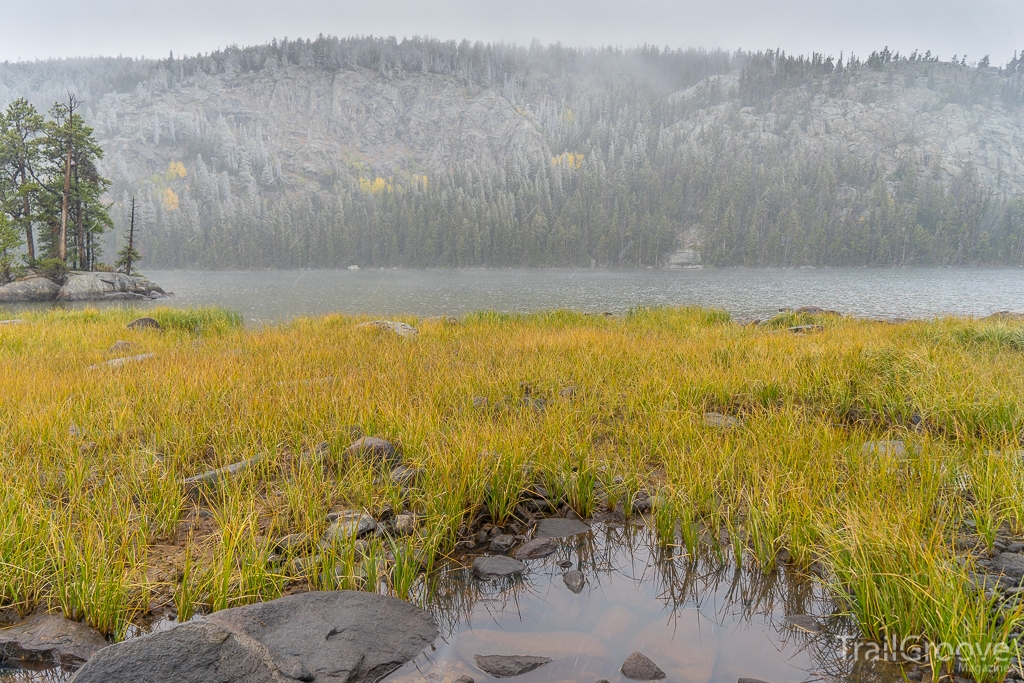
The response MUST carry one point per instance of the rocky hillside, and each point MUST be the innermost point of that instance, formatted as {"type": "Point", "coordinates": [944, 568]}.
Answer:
{"type": "Point", "coordinates": [370, 152]}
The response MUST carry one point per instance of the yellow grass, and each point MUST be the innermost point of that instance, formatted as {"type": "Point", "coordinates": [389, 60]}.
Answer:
{"type": "Point", "coordinates": [91, 460]}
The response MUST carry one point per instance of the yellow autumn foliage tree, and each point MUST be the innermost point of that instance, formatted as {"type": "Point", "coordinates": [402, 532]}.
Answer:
{"type": "Point", "coordinates": [170, 199]}
{"type": "Point", "coordinates": [375, 186]}
{"type": "Point", "coordinates": [570, 159]}
{"type": "Point", "coordinates": [175, 170]}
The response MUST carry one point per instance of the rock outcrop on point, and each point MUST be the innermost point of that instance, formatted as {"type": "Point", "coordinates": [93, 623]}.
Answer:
{"type": "Point", "coordinates": [332, 637]}
{"type": "Point", "coordinates": [29, 289]}
{"type": "Point", "coordinates": [92, 286]}
{"type": "Point", "coordinates": [81, 286]}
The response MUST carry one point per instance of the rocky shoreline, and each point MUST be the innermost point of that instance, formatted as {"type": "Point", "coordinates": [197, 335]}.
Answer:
{"type": "Point", "coordinates": [80, 286]}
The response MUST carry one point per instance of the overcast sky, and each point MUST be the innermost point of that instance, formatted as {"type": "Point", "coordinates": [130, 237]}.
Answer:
{"type": "Point", "coordinates": [31, 29]}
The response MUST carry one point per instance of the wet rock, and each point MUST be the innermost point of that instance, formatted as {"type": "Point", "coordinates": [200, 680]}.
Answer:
{"type": "Point", "coordinates": [574, 580]}
{"type": "Point", "coordinates": [346, 525]}
{"type": "Point", "coordinates": [30, 289]}
{"type": "Point", "coordinates": [502, 543]}
{"type": "Point", "coordinates": [118, 362]}
{"type": "Point", "coordinates": [193, 485]}
{"type": "Point", "coordinates": [639, 668]}
{"type": "Point", "coordinates": [378, 452]}
{"type": "Point", "coordinates": [52, 640]}
{"type": "Point", "coordinates": [804, 622]}
{"type": "Point", "coordinates": [121, 346]}
{"type": "Point", "coordinates": [506, 666]}
{"type": "Point", "coordinates": [144, 324]}
{"type": "Point", "coordinates": [557, 527]}
{"type": "Point", "coordinates": [399, 328]}
{"type": "Point", "coordinates": [332, 637]}
{"type": "Point", "coordinates": [405, 476]}
{"type": "Point", "coordinates": [481, 537]}
{"type": "Point", "coordinates": [496, 567]}
{"type": "Point", "coordinates": [535, 549]}
{"type": "Point", "coordinates": [641, 503]}
{"type": "Point", "coordinates": [719, 420]}
{"type": "Point", "coordinates": [1009, 564]}
{"type": "Point", "coordinates": [404, 524]}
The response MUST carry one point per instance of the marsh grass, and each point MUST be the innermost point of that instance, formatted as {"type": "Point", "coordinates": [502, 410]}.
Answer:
{"type": "Point", "coordinates": [596, 409]}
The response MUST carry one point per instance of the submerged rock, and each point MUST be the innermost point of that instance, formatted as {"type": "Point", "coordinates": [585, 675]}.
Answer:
{"type": "Point", "coordinates": [574, 581]}
{"type": "Point", "coordinates": [496, 567]}
{"type": "Point", "coordinates": [506, 666]}
{"type": "Point", "coordinates": [804, 622]}
{"type": "Point", "coordinates": [30, 289]}
{"type": "Point", "coordinates": [559, 527]}
{"type": "Point", "coordinates": [52, 640]}
{"type": "Point", "coordinates": [640, 668]}
{"type": "Point", "coordinates": [329, 637]}
{"type": "Point", "coordinates": [535, 549]}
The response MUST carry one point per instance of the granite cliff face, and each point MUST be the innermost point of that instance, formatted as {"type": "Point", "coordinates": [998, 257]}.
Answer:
{"type": "Point", "coordinates": [368, 152]}
{"type": "Point", "coordinates": [944, 117]}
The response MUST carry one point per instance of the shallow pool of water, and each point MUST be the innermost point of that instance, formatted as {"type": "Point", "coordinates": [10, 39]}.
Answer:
{"type": "Point", "coordinates": [701, 620]}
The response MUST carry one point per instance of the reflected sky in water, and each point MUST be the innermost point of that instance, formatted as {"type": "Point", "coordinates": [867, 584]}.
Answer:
{"type": "Point", "coordinates": [701, 620]}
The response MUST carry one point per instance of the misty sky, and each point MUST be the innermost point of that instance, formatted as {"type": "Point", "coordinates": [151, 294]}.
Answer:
{"type": "Point", "coordinates": [31, 29]}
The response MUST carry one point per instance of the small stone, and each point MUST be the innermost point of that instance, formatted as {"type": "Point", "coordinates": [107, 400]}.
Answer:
{"type": "Point", "coordinates": [464, 679]}
{"type": "Point", "coordinates": [915, 675]}
{"type": "Point", "coordinates": [502, 543]}
{"type": "Point", "coordinates": [750, 680]}
{"type": "Point", "coordinates": [405, 476]}
{"type": "Point", "coordinates": [557, 527]}
{"type": "Point", "coordinates": [719, 420]}
{"type": "Point", "coordinates": [803, 329]}
{"type": "Point", "coordinates": [565, 564]}
{"type": "Point", "coordinates": [346, 525]}
{"type": "Point", "coordinates": [482, 537]}
{"type": "Point", "coordinates": [496, 567]}
{"type": "Point", "coordinates": [1014, 547]}
{"type": "Point", "coordinates": [479, 402]}
{"type": "Point", "coordinates": [377, 452]}
{"type": "Point", "coordinates": [641, 503]}
{"type": "Point", "coordinates": [537, 548]}
{"type": "Point", "coordinates": [399, 328]}
{"type": "Point", "coordinates": [804, 622]}
{"type": "Point", "coordinates": [567, 392]}
{"type": "Point", "coordinates": [639, 668]}
{"type": "Point", "coordinates": [404, 524]}
{"type": "Point", "coordinates": [1010, 564]}
{"type": "Point", "coordinates": [121, 346]}
{"type": "Point", "coordinates": [574, 580]}
{"type": "Point", "coordinates": [144, 324]}
{"type": "Point", "coordinates": [506, 666]}
{"type": "Point", "coordinates": [292, 542]}
{"type": "Point", "coordinates": [895, 448]}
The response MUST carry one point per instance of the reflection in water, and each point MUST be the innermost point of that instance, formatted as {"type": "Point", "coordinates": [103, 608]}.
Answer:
{"type": "Point", "coordinates": [701, 619]}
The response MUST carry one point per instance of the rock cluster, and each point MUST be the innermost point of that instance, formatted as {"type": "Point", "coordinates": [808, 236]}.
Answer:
{"type": "Point", "coordinates": [81, 286]}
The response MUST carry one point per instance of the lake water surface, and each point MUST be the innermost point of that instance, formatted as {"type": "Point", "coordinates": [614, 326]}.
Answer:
{"type": "Point", "coordinates": [266, 296]}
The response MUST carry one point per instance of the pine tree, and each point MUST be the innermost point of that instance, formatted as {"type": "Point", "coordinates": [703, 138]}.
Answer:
{"type": "Point", "coordinates": [129, 254]}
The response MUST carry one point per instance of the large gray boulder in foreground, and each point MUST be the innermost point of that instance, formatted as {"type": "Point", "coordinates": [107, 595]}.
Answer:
{"type": "Point", "coordinates": [332, 637]}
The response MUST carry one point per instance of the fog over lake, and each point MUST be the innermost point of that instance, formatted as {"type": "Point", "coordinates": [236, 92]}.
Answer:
{"type": "Point", "coordinates": [266, 296]}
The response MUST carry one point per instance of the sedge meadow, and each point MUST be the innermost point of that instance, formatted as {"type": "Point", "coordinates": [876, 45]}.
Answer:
{"type": "Point", "coordinates": [881, 461]}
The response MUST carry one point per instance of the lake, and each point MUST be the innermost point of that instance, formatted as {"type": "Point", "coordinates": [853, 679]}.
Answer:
{"type": "Point", "coordinates": [265, 296]}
